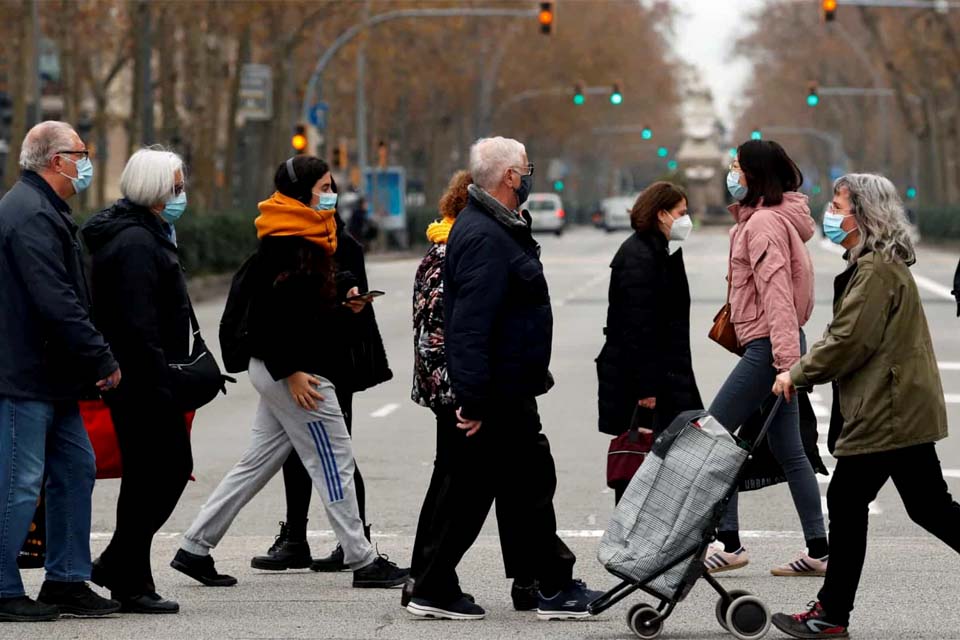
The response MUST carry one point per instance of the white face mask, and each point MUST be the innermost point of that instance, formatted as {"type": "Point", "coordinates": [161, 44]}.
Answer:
{"type": "Point", "coordinates": [681, 228]}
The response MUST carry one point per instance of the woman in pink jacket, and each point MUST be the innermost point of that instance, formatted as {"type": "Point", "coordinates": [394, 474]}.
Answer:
{"type": "Point", "coordinates": [771, 298]}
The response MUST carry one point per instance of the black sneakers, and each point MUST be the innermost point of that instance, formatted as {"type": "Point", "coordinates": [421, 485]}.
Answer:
{"type": "Point", "coordinates": [570, 604]}
{"type": "Point", "coordinates": [380, 574]}
{"type": "Point", "coordinates": [201, 569]}
{"type": "Point", "coordinates": [284, 554]}
{"type": "Point", "coordinates": [332, 563]}
{"type": "Point", "coordinates": [76, 600]}
{"type": "Point", "coordinates": [461, 609]}
{"type": "Point", "coordinates": [24, 609]}
{"type": "Point", "coordinates": [525, 597]}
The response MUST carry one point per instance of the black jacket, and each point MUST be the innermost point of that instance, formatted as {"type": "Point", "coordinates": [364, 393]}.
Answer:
{"type": "Point", "coordinates": [51, 350]}
{"type": "Point", "coordinates": [293, 326]}
{"type": "Point", "coordinates": [498, 321]}
{"type": "Point", "coordinates": [647, 349]}
{"type": "Point", "coordinates": [140, 297]}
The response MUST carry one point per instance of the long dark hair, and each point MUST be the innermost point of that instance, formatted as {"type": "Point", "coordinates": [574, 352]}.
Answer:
{"type": "Point", "coordinates": [659, 196]}
{"type": "Point", "coordinates": [770, 172]}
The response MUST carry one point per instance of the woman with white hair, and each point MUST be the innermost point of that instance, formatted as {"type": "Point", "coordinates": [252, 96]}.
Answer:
{"type": "Point", "coordinates": [141, 305]}
{"type": "Point", "coordinates": [888, 408]}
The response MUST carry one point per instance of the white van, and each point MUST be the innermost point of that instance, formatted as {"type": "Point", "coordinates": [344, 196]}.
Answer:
{"type": "Point", "coordinates": [546, 210]}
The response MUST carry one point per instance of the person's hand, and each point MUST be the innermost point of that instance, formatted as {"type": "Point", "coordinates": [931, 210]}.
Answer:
{"type": "Point", "coordinates": [356, 305]}
{"type": "Point", "coordinates": [110, 382]}
{"type": "Point", "coordinates": [783, 385]}
{"type": "Point", "coordinates": [648, 403]}
{"type": "Point", "coordinates": [301, 386]}
{"type": "Point", "coordinates": [470, 426]}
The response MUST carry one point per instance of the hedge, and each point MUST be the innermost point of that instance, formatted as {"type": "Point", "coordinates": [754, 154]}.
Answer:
{"type": "Point", "coordinates": [939, 223]}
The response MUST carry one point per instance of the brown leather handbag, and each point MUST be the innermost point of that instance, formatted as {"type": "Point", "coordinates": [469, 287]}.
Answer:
{"type": "Point", "coordinates": [722, 332]}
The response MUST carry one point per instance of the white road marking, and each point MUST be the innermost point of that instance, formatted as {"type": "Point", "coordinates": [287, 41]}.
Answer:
{"type": "Point", "coordinates": [949, 366]}
{"type": "Point", "coordinates": [591, 519]}
{"type": "Point", "coordinates": [584, 288]}
{"type": "Point", "coordinates": [385, 410]}
{"type": "Point", "coordinates": [951, 398]}
{"type": "Point", "coordinates": [815, 397]}
{"type": "Point", "coordinates": [820, 410]}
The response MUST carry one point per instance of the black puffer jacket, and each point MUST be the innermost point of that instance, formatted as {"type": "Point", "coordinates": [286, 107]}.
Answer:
{"type": "Point", "coordinates": [51, 350]}
{"type": "Point", "coordinates": [647, 349]}
{"type": "Point", "coordinates": [140, 297]}
{"type": "Point", "coordinates": [498, 321]}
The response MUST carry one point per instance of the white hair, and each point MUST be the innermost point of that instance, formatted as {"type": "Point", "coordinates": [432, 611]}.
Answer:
{"type": "Point", "coordinates": [43, 142]}
{"type": "Point", "coordinates": [880, 217]}
{"type": "Point", "coordinates": [491, 157]}
{"type": "Point", "coordinates": [149, 177]}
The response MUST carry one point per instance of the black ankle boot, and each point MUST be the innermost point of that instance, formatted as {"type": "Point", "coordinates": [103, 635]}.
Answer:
{"type": "Point", "coordinates": [286, 553]}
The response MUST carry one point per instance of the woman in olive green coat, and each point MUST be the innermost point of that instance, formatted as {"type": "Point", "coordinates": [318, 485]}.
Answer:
{"type": "Point", "coordinates": [888, 400]}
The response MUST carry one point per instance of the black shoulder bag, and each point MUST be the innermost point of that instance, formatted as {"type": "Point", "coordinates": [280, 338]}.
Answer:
{"type": "Point", "coordinates": [197, 381]}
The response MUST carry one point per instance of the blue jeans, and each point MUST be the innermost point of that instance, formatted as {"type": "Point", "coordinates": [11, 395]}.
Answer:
{"type": "Point", "coordinates": [31, 432]}
{"type": "Point", "coordinates": [741, 395]}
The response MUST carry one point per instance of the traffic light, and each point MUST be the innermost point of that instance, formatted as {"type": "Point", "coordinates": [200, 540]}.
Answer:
{"type": "Point", "coordinates": [578, 96]}
{"type": "Point", "coordinates": [733, 152]}
{"type": "Point", "coordinates": [829, 10]}
{"type": "Point", "coordinates": [615, 96]}
{"type": "Point", "coordinates": [911, 193]}
{"type": "Point", "coordinates": [558, 185]}
{"type": "Point", "coordinates": [299, 139]}
{"type": "Point", "coordinates": [813, 98]}
{"type": "Point", "coordinates": [672, 165]}
{"type": "Point", "coordinates": [647, 133]}
{"type": "Point", "coordinates": [756, 134]}
{"type": "Point", "coordinates": [663, 152]}
{"type": "Point", "coordinates": [546, 18]}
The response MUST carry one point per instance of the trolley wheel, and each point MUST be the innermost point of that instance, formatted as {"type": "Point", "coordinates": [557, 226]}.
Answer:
{"type": "Point", "coordinates": [748, 618]}
{"type": "Point", "coordinates": [722, 605]}
{"type": "Point", "coordinates": [642, 620]}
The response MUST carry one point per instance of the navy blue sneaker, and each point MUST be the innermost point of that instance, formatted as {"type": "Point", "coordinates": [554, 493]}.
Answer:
{"type": "Point", "coordinates": [569, 604]}
{"type": "Point", "coordinates": [460, 609]}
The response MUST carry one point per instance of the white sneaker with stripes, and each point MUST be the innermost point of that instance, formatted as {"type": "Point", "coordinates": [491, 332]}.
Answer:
{"type": "Point", "coordinates": [802, 566]}
{"type": "Point", "coordinates": [718, 560]}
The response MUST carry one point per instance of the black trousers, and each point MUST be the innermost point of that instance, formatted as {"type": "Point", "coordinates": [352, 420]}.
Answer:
{"type": "Point", "coordinates": [508, 461]}
{"type": "Point", "coordinates": [297, 485]}
{"type": "Point", "coordinates": [157, 462]}
{"type": "Point", "coordinates": [515, 565]}
{"type": "Point", "coordinates": [856, 481]}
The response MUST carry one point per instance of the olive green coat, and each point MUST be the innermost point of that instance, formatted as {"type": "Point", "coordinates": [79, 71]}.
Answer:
{"type": "Point", "coordinates": [878, 350]}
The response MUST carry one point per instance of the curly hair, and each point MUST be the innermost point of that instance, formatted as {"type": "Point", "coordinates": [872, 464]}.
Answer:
{"type": "Point", "coordinates": [454, 199]}
{"type": "Point", "coordinates": [880, 217]}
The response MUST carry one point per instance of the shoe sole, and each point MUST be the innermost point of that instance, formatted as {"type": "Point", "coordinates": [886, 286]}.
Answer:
{"type": "Point", "coordinates": [809, 636]}
{"type": "Point", "coordinates": [562, 615]}
{"type": "Point", "coordinates": [9, 617]}
{"type": "Point", "coordinates": [272, 566]}
{"type": "Point", "coordinates": [88, 614]}
{"type": "Point", "coordinates": [781, 573]}
{"type": "Point", "coordinates": [185, 570]}
{"type": "Point", "coordinates": [731, 567]}
{"type": "Point", "coordinates": [323, 569]}
{"type": "Point", "coordinates": [386, 584]}
{"type": "Point", "coordinates": [150, 611]}
{"type": "Point", "coordinates": [433, 613]}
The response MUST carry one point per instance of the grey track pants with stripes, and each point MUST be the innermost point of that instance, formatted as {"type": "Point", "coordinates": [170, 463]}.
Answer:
{"type": "Point", "coordinates": [321, 440]}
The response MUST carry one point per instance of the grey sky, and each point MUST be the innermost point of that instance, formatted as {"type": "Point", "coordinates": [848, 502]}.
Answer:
{"type": "Point", "coordinates": [707, 31]}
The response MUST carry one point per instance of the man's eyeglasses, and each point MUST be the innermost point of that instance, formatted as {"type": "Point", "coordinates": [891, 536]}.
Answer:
{"type": "Point", "coordinates": [529, 170]}
{"type": "Point", "coordinates": [84, 153]}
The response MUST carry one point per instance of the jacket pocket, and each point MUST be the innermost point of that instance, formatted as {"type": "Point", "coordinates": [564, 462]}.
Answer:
{"type": "Point", "coordinates": [744, 305]}
{"type": "Point", "coordinates": [850, 406]}
{"type": "Point", "coordinates": [531, 283]}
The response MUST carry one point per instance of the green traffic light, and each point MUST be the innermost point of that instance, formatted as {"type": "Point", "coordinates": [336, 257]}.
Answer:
{"type": "Point", "coordinates": [756, 135]}
{"type": "Point", "coordinates": [733, 152]}
{"type": "Point", "coordinates": [558, 185]}
{"type": "Point", "coordinates": [816, 190]}
{"type": "Point", "coordinates": [646, 134]}
{"type": "Point", "coordinates": [663, 152]}
{"type": "Point", "coordinates": [911, 193]}
{"type": "Point", "coordinates": [672, 165]}
{"type": "Point", "coordinates": [579, 99]}
{"type": "Point", "coordinates": [616, 98]}
{"type": "Point", "coordinates": [813, 100]}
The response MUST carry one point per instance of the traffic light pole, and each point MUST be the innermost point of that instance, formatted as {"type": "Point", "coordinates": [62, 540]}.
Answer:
{"type": "Point", "coordinates": [834, 139]}
{"type": "Point", "coordinates": [530, 94]}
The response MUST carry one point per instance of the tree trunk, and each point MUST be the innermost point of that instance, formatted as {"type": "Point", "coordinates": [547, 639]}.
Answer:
{"type": "Point", "coordinates": [170, 117]}
{"type": "Point", "coordinates": [228, 193]}
{"type": "Point", "coordinates": [18, 73]}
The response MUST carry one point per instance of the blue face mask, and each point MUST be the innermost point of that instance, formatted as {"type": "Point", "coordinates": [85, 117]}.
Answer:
{"type": "Point", "coordinates": [326, 201]}
{"type": "Point", "coordinates": [832, 228]}
{"type": "Point", "coordinates": [174, 208]}
{"type": "Point", "coordinates": [84, 173]}
{"type": "Point", "coordinates": [737, 190]}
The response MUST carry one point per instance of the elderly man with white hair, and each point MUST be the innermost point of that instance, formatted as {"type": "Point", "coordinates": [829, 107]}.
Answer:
{"type": "Point", "coordinates": [498, 328]}
{"type": "Point", "coordinates": [141, 304]}
{"type": "Point", "coordinates": [51, 354]}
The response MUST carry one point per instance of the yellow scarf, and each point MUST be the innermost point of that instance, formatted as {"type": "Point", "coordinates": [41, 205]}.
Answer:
{"type": "Point", "coordinates": [439, 231]}
{"type": "Point", "coordinates": [281, 215]}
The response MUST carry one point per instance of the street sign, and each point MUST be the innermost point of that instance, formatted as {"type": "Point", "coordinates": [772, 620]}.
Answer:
{"type": "Point", "coordinates": [256, 92]}
{"type": "Point", "coordinates": [318, 115]}
{"type": "Point", "coordinates": [386, 190]}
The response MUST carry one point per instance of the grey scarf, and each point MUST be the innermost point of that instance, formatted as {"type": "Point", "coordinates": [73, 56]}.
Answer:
{"type": "Point", "coordinates": [494, 207]}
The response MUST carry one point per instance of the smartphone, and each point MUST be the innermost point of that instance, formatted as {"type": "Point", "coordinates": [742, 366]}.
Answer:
{"type": "Point", "coordinates": [368, 294]}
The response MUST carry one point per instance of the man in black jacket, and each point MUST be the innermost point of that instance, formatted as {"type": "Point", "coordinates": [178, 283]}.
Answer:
{"type": "Point", "coordinates": [498, 328]}
{"type": "Point", "coordinates": [51, 353]}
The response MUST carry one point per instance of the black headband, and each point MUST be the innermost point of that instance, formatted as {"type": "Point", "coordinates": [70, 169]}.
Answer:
{"type": "Point", "coordinates": [290, 171]}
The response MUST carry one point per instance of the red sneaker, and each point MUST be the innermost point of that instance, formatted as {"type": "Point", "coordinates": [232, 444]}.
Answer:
{"type": "Point", "coordinates": [809, 625]}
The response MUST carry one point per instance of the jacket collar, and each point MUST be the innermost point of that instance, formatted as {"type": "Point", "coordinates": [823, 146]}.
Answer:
{"type": "Point", "coordinates": [144, 217]}
{"type": "Point", "coordinates": [33, 178]}
{"type": "Point", "coordinates": [496, 209]}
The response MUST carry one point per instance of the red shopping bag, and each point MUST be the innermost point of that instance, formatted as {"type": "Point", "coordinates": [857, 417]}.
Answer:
{"type": "Point", "coordinates": [99, 424]}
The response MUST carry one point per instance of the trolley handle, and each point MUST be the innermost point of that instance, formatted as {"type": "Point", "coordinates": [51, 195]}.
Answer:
{"type": "Point", "coordinates": [769, 420]}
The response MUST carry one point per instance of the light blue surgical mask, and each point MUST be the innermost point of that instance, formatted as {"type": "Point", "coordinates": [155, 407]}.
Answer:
{"type": "Point", "coordinates": [84, 173]}
{"type": "Point", "coordinates": [174, 208]}
{"type": "Point", "coordinates": [737, 190]}
{"type": "Point", "coordinates": [832, 228]}
{"type": "Point", "coordinates": [326, 201]}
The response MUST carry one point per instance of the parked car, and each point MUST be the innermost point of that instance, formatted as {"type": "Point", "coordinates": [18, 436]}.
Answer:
{"type": "Point", "coordinates": [616, 212]}
{"type": "Point", "coordinates": [546, 210]}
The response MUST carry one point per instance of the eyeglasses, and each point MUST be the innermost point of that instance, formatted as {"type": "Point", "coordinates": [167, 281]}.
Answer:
{"type": "Point", "coordinates": [734, 166]}
{"type": "Point", "coordinates": [179, 188]}
{"type": "Point", "coordinates": [84, 152]}
{"type": "Point", "coordinates": [529, 170]}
